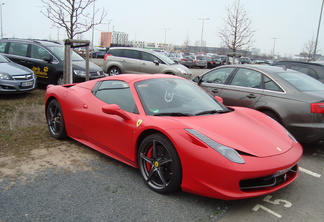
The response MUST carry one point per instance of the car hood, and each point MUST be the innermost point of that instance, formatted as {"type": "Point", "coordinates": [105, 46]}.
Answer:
{"type": "Point", "coordinates": [80, 64]}
{"type": "Point", "coordinates": [245, 130]}
{"type": "Point", "coordinates": [14, 69]}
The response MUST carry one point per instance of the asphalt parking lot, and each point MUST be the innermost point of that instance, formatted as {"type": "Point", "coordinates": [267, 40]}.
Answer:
{"type": "Point", "coordinates": [71, 182]}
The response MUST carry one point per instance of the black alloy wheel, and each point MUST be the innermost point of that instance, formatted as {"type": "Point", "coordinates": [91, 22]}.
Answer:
{"type": "Point", "coordinates": [55, 120]}
{"type": "Point", "coordinates": [159, 164]}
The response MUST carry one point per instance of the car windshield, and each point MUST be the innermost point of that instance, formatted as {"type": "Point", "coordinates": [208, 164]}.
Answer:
{"type": "Point", "coordinates": [176, 97]}
{"type": "Point", "coordinates": [164, 58]}
{"type": "Point", "coordinates": [3, 59]}
{"type": "Point", "coordinates": [59, 52]}
{"type": "Point", "coordinates": [301, 81]}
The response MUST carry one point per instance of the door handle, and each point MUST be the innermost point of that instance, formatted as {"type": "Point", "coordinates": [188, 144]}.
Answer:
{"type": "Point", "coordinates": [215, 91]}
{"type": "Point", "coordinates": [251, 96]}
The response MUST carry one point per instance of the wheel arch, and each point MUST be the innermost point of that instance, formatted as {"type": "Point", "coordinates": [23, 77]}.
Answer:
{"type": "Point", "coordinates": [143, 135]}
{"type": "Point", "coordinates": [272, 113]}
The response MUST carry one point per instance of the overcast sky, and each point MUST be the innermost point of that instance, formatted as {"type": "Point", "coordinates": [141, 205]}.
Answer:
{"type": "Point", "coordinates": [292, 22]}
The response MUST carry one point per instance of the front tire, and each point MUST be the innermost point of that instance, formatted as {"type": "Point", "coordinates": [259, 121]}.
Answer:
{"type": "Point", "coordinates": [112, 71]}
{"type": "Point", "coordinates": [55, 120]}
{"type": "Point", "coordinates": [159, 164]}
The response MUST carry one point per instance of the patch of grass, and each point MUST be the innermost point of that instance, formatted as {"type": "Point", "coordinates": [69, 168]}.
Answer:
{"type": "Point", "coordinates": [22, 110]}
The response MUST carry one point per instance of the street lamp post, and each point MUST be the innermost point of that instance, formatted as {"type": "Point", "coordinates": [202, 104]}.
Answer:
{"type": "Point", "coordinates": [1, 4]}
{"type": "Point", "coordinates": [165, 32]}
{"type": "Point", "coordinates": [274, 46]}
{"type": "Point", "coordinates": [202, 31]}
{"type": "Point", "coordinates": [318, 28]}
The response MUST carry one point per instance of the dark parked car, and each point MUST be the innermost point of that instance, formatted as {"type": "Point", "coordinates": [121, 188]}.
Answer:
{"type": "Point", "coordinates": [292, 98]}
{"type": "Point", "coordinates": [314, 70]}
{"type": "Point", "coordinates": [46, 59]}
{"type": "Point", "coordinates": [98, 52]}
{"type": "Point", "coordinates": [213, 61]}
{"type": "Point", "coordinates": [15, 78]}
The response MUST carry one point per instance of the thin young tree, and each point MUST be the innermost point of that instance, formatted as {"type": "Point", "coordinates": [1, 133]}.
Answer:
{"type": "Point", "coordinates": [237, 33]}
{"type": "Point", "coordinates": [308, 50]}
{"type": "Point", "coordinates": [73, 15]}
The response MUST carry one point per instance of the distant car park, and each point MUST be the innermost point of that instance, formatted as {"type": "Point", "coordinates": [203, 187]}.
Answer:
{"type": "Point", "coordinates": [292, 98]}
{"type": "Point", "coordinates": [314, 70]}
{"type": "Point", "coordinates": [15, 78]}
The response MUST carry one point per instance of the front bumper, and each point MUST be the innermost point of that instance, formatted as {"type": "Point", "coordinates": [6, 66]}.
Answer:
{"type": "Point", "coordinates": [17, 86]}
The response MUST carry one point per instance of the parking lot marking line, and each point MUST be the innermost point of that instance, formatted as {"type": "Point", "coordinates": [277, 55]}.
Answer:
{"type": "Point", "coordinates": [310, 172]}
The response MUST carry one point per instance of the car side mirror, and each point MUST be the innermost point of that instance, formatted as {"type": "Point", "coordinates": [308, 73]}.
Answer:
{"type": "Point", "coordinates": [219, 99]}
{"type": "Point", "coordinates": [48, 59]}
{"type": "Point", "coordinates": [114, 109]}
{"type": "Point", "coordinates": [196, 79]}
{"type": "Point", "coordinates": [156, 62]}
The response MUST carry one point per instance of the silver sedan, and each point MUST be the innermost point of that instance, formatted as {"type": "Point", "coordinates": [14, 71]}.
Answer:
{"type": "Point", "coordinates": [292, 98]}
{"type": "Point", "coordinates": [15, 78]}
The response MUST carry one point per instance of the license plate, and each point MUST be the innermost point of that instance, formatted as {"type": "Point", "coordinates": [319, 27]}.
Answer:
{"type": "Point", "coordinates": [281, 172]}
{"type": "Point", "coordinates": [25, 84]}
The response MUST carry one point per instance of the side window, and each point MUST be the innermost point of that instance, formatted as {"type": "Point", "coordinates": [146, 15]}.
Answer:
{"type": "Point", "coordinates": [18, 48]}
{"type": "Point", "coordinates": [132, 54]}
{"type": "Point", "coordinates": [247, 78]}
{"type": "Point", "coordinates": [117, 92]}
{"type": "Point", "coordinates": [149, 57]}
{"type": "Point", "coordinates": [313, 73]}
{"type": "Point", "coordinates": [217, 76]}
{"type": "Point", "coordinates": [299, 68]}
{"type": "Point", "coordinates": [38, 52]}
{"type": "Point", "coordinates": [270, 85]}
{"type": "Point", "coordinates": [116, 52]}
{"type": "Point", "coordinates": [2, 47]}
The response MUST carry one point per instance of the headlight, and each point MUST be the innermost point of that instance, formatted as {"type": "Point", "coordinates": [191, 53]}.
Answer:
{"type": "Point", "coordinates": [79, 72]}
{"type": "Point", "coordinates": [227, 152]}
{"type": "Point", "coordinates": [182, 71]}
{"type": "Point", "coordinates": [291, 136]}
{"type": "Point", "coordinates": [4, 76]}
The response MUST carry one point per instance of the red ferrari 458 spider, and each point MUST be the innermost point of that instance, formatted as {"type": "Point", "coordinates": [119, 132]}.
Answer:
{"type": "Point", "coordinates": [179, 136]}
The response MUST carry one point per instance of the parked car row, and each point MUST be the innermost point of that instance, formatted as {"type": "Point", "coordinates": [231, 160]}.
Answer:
{"type": "Point", "coordinates": [46, 59]}
{"type": "Point", "coordinates": [291, 98]}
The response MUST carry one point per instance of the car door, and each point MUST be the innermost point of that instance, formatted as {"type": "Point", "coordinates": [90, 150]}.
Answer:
{"type": "Point", "coordinates": [244, 88]}
{"type": "Point", "coordinates": [111, 133]}
{"type": "Point", "coordinates": [151, 64]}
{"type": "Point", "coordinates": [44, 64]}
{"type": "Point", "coordinates": [214, 81]}
{"type": "Point", "coordinates": [131, 61]}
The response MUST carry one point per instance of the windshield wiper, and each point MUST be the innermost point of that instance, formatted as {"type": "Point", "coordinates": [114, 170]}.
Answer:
{"type": "Point", "coordinates": [172, 114]}
{"type": "Point", "coordinates": [212, 112]}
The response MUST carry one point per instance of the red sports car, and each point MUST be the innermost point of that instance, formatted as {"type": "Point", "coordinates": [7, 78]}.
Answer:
{"type": "Point", "coordinates": [179, 136]}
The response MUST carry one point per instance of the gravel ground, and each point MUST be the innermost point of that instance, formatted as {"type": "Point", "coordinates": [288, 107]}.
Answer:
{"type": "Point", "coordinates": [58, 185]}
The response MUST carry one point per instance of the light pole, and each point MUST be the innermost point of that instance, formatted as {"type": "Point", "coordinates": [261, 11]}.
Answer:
{"type": "Point", "coordinates": [165, 32]}
{"type": "Point", "coordinates": [1, 4]}
{"type": "Point", "coordinates": [109, 21]}
{"type": "Point", "coordinates": [202, 31]}
{"type": "Point", "coordinates": [318, 28]}
{"type": "Point", "coordinates": [274, 46]}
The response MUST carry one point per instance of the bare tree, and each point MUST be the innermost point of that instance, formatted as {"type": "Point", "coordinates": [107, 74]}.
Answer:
{"type": "Point", "coordinates": [237, 33]}
{"type": "Point", "coordinates": [308, 50]}
{"type": "Point", "coordinates": [72, 15]}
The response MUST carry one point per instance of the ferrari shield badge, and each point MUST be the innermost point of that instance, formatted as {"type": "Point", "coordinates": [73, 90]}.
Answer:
{"type": "Point", "coordinates": [139, 122]}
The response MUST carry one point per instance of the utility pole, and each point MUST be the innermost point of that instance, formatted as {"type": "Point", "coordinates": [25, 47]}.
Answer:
{"type": "Point", "coordinates": [274, 46]}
